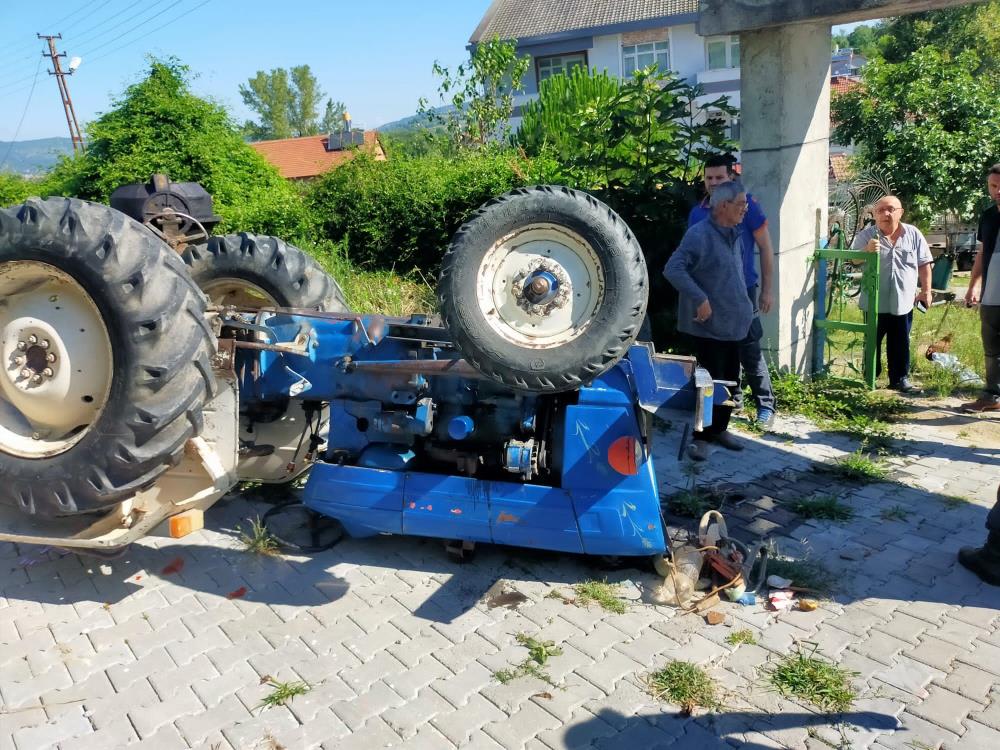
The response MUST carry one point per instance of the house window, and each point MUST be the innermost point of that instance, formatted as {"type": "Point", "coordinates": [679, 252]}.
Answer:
{"type": "Point", "coordinates": [723, 52]}
{"type": "Point", "coordinates": [638, 56]}
{"type": "Point", "coordinates": [550, 66]}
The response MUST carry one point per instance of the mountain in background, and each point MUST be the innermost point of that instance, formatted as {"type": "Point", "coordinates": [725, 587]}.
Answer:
{"type": "Point", "coordinates": [33, 157]}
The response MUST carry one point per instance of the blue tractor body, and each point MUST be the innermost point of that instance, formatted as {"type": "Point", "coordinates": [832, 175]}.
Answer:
{"type": "Point", "coordinates": [419, 443]}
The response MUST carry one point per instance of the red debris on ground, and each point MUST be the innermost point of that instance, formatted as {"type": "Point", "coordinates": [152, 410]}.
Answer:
{"type": "Point", "coordinates": [240, 592]}
{"type": "Point", "coordinates": [174, 566]}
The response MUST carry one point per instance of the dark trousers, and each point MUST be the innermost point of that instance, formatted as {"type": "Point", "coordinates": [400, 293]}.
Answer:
{"type": "Point", "coordinates": [895, 329]}
{"type": "Point", "coordinates": [989, 318]}
{"type": "Point", "coordinates": [755, 372]}
{"type": "Point", "coordinates": [722, 360]}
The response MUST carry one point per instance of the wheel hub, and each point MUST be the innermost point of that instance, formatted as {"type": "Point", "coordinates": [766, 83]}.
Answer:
{"type": "Point", "coordinates": [56, 361]}
{"type": "Point", "coordinates": [540, 286]}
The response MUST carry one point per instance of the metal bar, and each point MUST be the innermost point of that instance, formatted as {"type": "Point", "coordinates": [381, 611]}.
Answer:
{"type": "Point", "coordinates": [840, 325]}
{"type": "Point", "coordinates": [843, 254]}
{"type": "Point", "coordinates": [458, 367]}
{"type": "Point", "coordinates": [870, 283]}
{"type": "Point", "coordinates": [819, 335]}
{"type": "Point", "coordinates": [259, 347]}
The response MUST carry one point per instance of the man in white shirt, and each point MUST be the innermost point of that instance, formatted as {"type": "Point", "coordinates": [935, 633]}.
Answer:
{"type": "Point", "coordinates": [904, 259]}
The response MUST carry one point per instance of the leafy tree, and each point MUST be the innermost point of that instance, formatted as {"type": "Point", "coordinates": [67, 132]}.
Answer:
{"type": "Point", "coordinates": [333, 116]}
{"type": "Point", "coordinates": [930, 121]}
{"type": "Point", "coordinates": [480, 94]}
{"type": "Point", "coordinates": [158, 125]}
{"type": "Point", "coordinates": [14, 188]}
{"type": "Point", "coordinates": [840, 41]}
{"type": "Point", "coordinates": [862, 38]}
{"type": "Point", "coordinates": [638, 145]}
{"type": "Point", "coordinates": [286, 103]}
{"type": "Point", "coordinates": [951, 30]}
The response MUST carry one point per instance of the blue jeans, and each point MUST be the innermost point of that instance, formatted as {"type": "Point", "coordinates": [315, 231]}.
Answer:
{"type": "Point", "coordinates": [755, 372]}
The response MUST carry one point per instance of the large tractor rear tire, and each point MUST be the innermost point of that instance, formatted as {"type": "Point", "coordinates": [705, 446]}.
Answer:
{"type": "Point", "coordinates": [253, 271]}
{"type": "Point", "coordinates": [543, 289]}
{"type": "Point", "coordinates": [105, 357]}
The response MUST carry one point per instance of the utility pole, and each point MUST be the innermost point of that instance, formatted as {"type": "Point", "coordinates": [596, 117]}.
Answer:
{"type": "Point", "coordinates": [74, 128]}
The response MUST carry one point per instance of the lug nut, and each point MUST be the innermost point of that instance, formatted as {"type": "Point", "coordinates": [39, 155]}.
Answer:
{"type": "Point", "coordinates": [32, 339]}
{"type": "Point", "coordinates": [50, 357]}
{"type": "Point", "coordinates": [44, 343]}
{"type": "Point", "coordinates": [47, 372]}
{"type": "Point", "coordinates": [19, 361]}
{"type": "Point", "coordinates": [27, 372]}
{"type": "Point", "coordinates": [37, 379]}
{"type": "Point", "coordinates": [21, 346]}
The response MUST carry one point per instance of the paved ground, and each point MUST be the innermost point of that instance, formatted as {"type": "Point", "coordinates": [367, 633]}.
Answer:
{"type": "Point", "coordinates": [167, 646]}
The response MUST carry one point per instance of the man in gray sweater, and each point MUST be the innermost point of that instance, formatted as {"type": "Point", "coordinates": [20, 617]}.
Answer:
{"type": "Point", "coordinates": [714, 309]}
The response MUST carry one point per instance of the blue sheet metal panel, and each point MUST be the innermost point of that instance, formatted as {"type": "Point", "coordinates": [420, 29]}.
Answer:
{"type": "Point", "coordinates": [530, 515]}
{"type": "Point", "coordinates": [366, 501]}
{"type": "Point", "coordinates": [450, 507]}
{"type": "Point", "coordinates": [625, 521]}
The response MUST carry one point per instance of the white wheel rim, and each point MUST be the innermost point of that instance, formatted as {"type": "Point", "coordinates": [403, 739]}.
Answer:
{"type": "Point", "coordinates": [553, 252]}
{"type": "Point", "coordinates": [55, 357]}
{"type": "Point", "coordinates": [244, 295]}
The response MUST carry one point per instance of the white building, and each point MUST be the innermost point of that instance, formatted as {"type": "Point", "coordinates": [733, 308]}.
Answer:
{"type": "Point", "coordinates": [617, 36]}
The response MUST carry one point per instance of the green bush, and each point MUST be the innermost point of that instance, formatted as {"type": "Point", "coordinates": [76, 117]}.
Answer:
{"type": "Point", "coordinates": [401, 213]}
{"type": "Point", "coordinates": [158, 125]}
{"type": "Point", "coordinates": [14, 188]}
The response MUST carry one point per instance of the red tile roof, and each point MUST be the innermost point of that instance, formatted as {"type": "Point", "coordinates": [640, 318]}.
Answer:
{"type": "Point", "coordinates": [300, 158]}
{"type": "Point", "coordinates": [840, 167]}
{"type": "Point", "coordinates": [843, 84]}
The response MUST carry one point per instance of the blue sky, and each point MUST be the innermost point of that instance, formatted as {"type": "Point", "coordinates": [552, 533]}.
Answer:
{"type": "Point", "coordinates": [374, 56]}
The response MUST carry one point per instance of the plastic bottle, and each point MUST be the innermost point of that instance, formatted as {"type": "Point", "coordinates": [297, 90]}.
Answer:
{"type": "Point", "coordinates": [951, 362]}
{"type": "Point", "coordinates": [678, 587]}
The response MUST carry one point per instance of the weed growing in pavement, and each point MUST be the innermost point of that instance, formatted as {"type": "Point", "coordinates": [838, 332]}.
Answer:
{"type": "Point", "coordinates": [741, 636]}
{"type": "Point", "coordinates": [538, 653]}
{"type": "Point", "coordinates": [693, 501]}
{"type": "Point", "coordinates": [823, 507]}
{"type": "Point", "coordinates": [600, 592]}
{"type": "Point", "coordinates": [258, 540]}
{"type": "Point", "coordinates": [953, 501]}
{"type": "Point", "coordinates": [281, 693]}
{"type": "Point", "coordinates": [817, 681]}
{"type": "Point", "coordinates": [859, 466]}
{"type": "Point", "coordinates": [684, 684]}
{"type": "Point", "coordinates": [806, 574]}
{"type": "Point", "coordinates": [895, 513]}
{"type": "Point", "coordinates": [842, 406]}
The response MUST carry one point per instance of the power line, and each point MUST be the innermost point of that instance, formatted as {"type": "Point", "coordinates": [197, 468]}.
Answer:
{"type": "Point", "coordinates": [128, 31]}
{"type": "Point", "coordinates": [17, 131]}
{"type": "Point", "coordinates": [185, 14]}
{"type": "Point", "coordinates": [81, 39]}
{"type": "Point", "coordinates": [79, 10]}
{"type": "Point", "coordinates": [74, 128]}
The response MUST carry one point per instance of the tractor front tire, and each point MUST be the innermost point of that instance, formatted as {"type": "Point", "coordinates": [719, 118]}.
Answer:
{"type": "Point", "coordinates": [105, 357]}
{"type": "Point", "coordinates": [544, 289]}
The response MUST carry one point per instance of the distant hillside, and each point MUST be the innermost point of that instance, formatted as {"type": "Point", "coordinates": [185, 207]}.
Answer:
{"type": "Point", "coordinates": [412, 122]}
{"type": "Point", "coordinates": [33, 157]}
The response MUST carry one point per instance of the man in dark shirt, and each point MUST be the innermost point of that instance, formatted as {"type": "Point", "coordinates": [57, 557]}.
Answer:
{"type": "Point", "coordinates": [753, 234]}
{"type": "Point", "coordinates": [984, 288]}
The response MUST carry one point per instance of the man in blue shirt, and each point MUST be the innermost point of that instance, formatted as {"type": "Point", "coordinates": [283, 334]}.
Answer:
{"type": "Point", "coordinates": [753, 231]}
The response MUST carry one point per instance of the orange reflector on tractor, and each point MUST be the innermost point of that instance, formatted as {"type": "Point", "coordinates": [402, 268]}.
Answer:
{"type": "Point", "coordinates": [625, 455]}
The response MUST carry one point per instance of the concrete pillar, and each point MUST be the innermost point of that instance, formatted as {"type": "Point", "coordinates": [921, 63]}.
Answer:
{"type": "Point", "coordinates": [785, 116]}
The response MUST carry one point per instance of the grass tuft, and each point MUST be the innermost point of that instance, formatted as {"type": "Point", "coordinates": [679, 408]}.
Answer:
{"type": "Point", "coordinates": [859, 466]}
{"type": "Point", "coordinates": [600, 592]}
{"type": "Point", "coordinates": [741, 636]}
{"type": "Point", "coordinates": [281, 693]}
{"type": "Point", "coordinates": [684, 684]}
{"type": "Point", "coordinates": [538, 654]}
{"type": "Point", "coordinates": [258, 540]}
{"type": "Point", "coordinates": [895, 513]}
{"type": "Point", "coordinates": [819, 682]}
{"type": "Point", "coordinates": [824, 507]}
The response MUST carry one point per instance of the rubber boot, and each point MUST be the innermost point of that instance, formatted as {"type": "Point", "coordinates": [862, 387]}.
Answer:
{"type": "Point", "coordinates": [984, 561]}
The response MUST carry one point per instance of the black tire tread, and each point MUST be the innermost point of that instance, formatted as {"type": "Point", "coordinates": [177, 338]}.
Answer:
{"type": "Point", "coordinates": [155, 316]}
{"type": "Point", "coordinates": [481, 351]}
{"type": "Point", "coordinates": [287, 273]}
